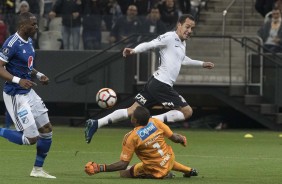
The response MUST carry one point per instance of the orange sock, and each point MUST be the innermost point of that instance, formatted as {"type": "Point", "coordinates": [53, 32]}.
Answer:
{"type": "Point", "coordinates": [179, 167]}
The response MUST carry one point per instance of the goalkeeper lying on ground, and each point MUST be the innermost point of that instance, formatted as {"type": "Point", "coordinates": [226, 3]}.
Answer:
{"type": "Point", "coordinates": [147, 140]}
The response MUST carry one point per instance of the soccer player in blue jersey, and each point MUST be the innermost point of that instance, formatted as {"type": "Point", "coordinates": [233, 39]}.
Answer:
{"type": "Point", "coordinates": [26, 108]}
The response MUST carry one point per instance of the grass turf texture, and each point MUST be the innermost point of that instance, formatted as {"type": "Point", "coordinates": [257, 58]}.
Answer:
{"type": "Point", "coordinates": [220, 157]}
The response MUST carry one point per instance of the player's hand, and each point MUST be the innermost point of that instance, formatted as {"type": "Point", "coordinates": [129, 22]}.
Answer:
{"type": "Point", "coordinates": [184, 141]}
{"type": "Point", "coordinates": [208, 65]}
{"type": "Point", "coordinates": [127, 51]}
{"type": "Point", "coordinates": [92, 168]}
{"type": "Point", "coordinates": [26, 84]}
{"type": "Point", "coordinates": [44, 80]}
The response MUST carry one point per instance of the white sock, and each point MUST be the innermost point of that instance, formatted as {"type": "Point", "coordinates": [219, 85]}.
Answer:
{"type": "Point", "coordinates": [37, 168]}
{"type": "Point", "coordinates": [171, 116]}
{"type": "Point", "coordinates": [25, 140]}
{"type": "Point", "coordinates": [116, 116]}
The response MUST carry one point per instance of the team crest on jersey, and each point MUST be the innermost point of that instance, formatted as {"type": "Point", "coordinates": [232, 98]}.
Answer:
{"type": "Point", "coordinates": [30, 62]}
{"type": "Point", "coordinates": [5, 51]}
{"type": "Point", "coordinates": [146, 131]}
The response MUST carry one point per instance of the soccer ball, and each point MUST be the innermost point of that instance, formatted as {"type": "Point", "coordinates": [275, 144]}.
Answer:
{"type": "Point", "coordinates": [106, 98]}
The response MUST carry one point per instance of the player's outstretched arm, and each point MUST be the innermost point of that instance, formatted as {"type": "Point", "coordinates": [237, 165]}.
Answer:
{"type": "Point", "coordinates": [92, 168]}
{"type": "Point", "coordinates": [177, 138]}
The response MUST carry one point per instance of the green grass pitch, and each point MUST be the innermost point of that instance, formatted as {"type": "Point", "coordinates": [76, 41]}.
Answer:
{"type": "Point", "coordinates": [219, 156]}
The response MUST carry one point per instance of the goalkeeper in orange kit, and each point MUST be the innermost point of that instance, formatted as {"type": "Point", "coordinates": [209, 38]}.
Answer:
{"type": "Point", "coordinates": [147, 140]}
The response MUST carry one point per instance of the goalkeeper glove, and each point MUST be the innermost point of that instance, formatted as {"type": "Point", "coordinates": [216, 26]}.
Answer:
{"type": "Point", "coordinates": [92, 168]}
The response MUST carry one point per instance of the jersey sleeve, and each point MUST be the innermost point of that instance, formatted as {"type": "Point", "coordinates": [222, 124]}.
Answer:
{"type": "Point", "coordinates": [7, 52]}
{"type": "Point", "coordinates": [127, 148]}
{"type": "Point", "coordinates": [191, 62]}
{"type": "Point", "coordinates": [164, 127]}
{"type": "Point", "coordinates": [159, 42]}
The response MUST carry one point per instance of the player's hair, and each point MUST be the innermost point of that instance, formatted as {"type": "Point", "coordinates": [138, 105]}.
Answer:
{"type": "Point", "coordinates": [23, 17]}
{"type": "Point", "coordinates": [183, 18]}
{"type": "Point", "coordinates": [142, 115]}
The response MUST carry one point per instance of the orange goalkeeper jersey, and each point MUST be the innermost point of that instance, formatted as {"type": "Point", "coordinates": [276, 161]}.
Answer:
{"type": "Point", "coordinates": [148, 142]}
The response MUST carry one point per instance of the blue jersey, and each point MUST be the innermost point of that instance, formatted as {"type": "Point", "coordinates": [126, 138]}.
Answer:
{"type": "Point", "coordinates": [19, 56]}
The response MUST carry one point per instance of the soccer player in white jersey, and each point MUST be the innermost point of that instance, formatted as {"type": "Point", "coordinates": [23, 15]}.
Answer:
{"type": "Point", "coordinates": [26, 108]}
{"type": "Point", "coordinates": [159, 88]}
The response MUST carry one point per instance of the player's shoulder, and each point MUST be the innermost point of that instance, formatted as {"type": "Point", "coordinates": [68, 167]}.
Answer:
{"type": "Point", "coordinates": [168, 36]}
{"type": "Point", "coordinates": [12, 41]}
{"type": "Point", "coordinates": [155, 121]}
{"type": "Point", "coordinates": [158, 123]}
{"type": "Point", "coordinates": [128, 137]}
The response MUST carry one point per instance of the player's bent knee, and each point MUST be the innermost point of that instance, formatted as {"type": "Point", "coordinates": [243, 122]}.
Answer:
{"type": "Point", "coordinates": [32, 140]}
{"type": "Point", "coordinates": [187, 111]}
{"type": "Point", "coordinates": [46, 128]}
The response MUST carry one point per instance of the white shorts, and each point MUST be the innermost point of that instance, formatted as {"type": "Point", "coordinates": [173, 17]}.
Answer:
{"type": "Point", "coordinates": [26, 110]}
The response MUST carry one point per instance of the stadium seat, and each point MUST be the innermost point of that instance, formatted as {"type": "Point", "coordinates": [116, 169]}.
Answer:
{"type": "Point", "coordinates": [50, 40]}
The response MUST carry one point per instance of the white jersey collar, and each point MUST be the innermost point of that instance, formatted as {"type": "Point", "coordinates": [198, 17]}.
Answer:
{"type": "Point", "coordinates": [21, 38]}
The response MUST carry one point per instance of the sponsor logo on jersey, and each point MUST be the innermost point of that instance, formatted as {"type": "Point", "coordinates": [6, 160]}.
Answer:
{"type": "Point", "coordinates": [30, 62]}
{"type": "Point", "coordinates": [5, 51]}
{"type": "Point", "coordinates": [24, 51]}
{"type": "Point", "coordinates": [146, 131]}
{"type": "Point", "coordinates": [141, 99]}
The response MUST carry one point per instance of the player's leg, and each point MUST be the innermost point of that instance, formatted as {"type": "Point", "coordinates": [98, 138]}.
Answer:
{"type": "Point", "coordinates": [118, 115]}
{"type": "Point", "coordinates": [135, 171]}
{"type": "Point", "coordinates": [169, 98]}
{"type": "Point", "coordinates": [176, 115]}
{"type": "Point", "coordinates": [127, 173]}
{"type": "Point", "coordinates": [92, 125]}
{"type": "Point", "coordinates": [44, 141]}
{"type": "Point", "coordinates": [22, 117]}
{"type": "Point", "coordinates": [187, 171]}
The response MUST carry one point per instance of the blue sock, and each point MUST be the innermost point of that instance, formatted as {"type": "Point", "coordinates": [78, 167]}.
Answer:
{"type": "Point", "coordinates": [12, 135]}
{"type": "Point", "coordinates": [43, 147]}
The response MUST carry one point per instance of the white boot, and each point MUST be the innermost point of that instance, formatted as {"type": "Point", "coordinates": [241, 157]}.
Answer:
{"type": "Point", "coordinates": [38, 172]}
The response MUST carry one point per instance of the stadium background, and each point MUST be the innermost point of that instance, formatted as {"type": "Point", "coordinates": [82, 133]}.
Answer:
{"type": "Point", "coordinates": [243, 91]}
